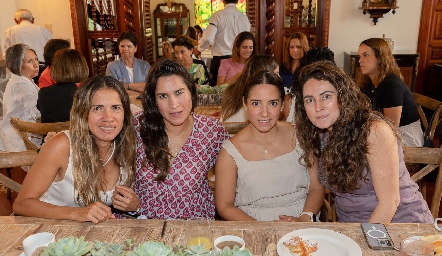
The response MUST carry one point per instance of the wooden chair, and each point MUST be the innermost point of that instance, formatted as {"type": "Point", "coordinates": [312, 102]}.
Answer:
{"type": "Point", "coordinates": [433, 105]}
{"type": "Point", "coordinates": [8, 160]}
{"type": "Point", "coordinates": [234, 127]}
{"type": "Point", "coordinates": [24, 127]}
{"type": "Point", "coordinates": [432, 158]}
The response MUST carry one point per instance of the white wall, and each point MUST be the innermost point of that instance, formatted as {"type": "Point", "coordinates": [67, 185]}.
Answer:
{"type": "Point", "coordinates": [348, 27]}
{"type": "Point", "coordinates": [55, 12]}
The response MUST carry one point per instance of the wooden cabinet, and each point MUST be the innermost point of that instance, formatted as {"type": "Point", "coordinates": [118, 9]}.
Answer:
{"type": "Point", "coordinates": [170, 20]}
{"type": "Point", "coordinates": [407, 64]}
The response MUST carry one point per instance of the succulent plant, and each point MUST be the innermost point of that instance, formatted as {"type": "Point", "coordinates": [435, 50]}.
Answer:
{"type": "Point", "coordinates": [234, 252]}
{"type": "Point", "coordinates": [105, 248]}
{"type": "Point", "coordinates": [70, 246]}
{"type": "Point", "coordinates": [198, 250]}
{"type": "Point", "coordinates": [151, 248]}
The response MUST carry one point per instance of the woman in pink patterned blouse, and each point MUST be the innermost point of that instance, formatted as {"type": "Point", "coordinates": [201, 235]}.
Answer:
{"type": "Point", "coordinates": [176, 147]}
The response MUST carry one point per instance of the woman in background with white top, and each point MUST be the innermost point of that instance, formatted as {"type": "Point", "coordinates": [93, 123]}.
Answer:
{"type": "Point", "coordinates": [79, 173]}
{"type": "Point", "coordinates": [20, 98]}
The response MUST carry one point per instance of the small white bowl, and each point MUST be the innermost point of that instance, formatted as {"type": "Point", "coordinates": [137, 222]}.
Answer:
{"type": "Point", "coordinates": [31, 243]}
{"type": "Point", "coordinates": [228, 238]}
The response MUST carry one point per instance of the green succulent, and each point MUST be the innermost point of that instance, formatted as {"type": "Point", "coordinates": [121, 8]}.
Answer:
{"type": "Point", "coordinates": [179, 250]}
{"type": "Point", "coordinates": [198, 250]}
{"type": "Point", "coordinates": [234, 252]}
{"type": "Point", "coordinates": [70, 246]}
{"type": "Point", "coordinates": [105, 248]}
{"type": "Point", "coordinates": [151, 248]}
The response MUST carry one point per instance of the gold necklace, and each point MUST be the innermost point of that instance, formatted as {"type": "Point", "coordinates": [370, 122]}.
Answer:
{"type": "Point", "coordinates": [172, 147]}
{"type": "Point", "coordinates": [265, 148]}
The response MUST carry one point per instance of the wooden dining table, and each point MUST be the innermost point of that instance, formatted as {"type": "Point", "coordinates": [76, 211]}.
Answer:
{"type": "Point", "coordinates": [260, 237]}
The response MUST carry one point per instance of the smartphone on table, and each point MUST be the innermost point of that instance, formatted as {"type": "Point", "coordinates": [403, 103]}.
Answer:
{"type": "Point", "coordinates": [377, 236]}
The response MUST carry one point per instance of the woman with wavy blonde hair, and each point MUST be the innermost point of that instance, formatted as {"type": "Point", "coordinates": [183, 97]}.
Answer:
{"type": "Point", "coordinates": [232, 104]}
{"type": "Point", "coordinates": [295, 48]}
{"type": "Point", "coordinates": [382, 82]}
{"type": "Point", "coordinates": [79, 173]}
{"type": "Point", "coordinates": [356, 152]}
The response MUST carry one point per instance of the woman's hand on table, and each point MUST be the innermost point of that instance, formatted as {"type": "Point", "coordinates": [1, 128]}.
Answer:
{"type": "Point", "coordinates": [125, 199]}
{"type": "Point", "coordinates": [289, 218]}
{"type": "Point", "coordinates": [95, 213]}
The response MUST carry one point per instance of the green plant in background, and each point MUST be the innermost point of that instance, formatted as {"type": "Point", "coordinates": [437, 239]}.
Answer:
{"type": "Point", "coordinates": [151, 248]}
{"type": "Point", "coordinates": [206, 89]}
{"type": "Point", "coordinates": [69, 246]}
{"type": "Point", "coordinates": [205, 8]}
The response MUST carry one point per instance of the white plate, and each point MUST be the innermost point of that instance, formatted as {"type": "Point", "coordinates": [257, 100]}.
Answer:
{"type": "Point", "coordinates": [329, 242]}
{"type": "Point", "coordinates": [22, 254]}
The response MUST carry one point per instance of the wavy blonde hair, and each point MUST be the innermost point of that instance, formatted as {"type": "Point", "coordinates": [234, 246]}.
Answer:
{"type": "Point", "coordinates": [88, 172]}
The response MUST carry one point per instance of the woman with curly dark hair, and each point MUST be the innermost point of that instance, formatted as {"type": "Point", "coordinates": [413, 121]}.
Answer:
{"type": "Point", "coordinates": [382, 82]}
{"type": "Point", "coordinates": [176, 147]}
{"type": "Point", "coordinates": [357, 152]}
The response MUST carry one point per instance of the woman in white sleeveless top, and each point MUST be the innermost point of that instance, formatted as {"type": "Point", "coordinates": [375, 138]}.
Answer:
{"type": "Point", "coordinates": [79, 173]}
{"type": "Point", "coordinates": [258, 175]}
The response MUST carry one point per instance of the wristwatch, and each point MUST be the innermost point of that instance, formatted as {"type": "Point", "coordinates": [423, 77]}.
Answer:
{"type": "Point", "coordinates": [310, 214]}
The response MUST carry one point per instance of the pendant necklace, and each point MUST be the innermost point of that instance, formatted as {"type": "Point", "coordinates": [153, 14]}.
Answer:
{"type": "Point", "coordinates": [172, 147]}
{"type": "Point", "coordinates": [110, 157]}
{"type": "Point", "coordinates": [265, 148]}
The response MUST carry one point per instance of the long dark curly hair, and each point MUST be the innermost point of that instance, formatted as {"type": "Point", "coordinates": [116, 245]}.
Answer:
{"type": "Point", "coordinates": [344, 156]}
{"type": "Point", "coordinates": [153, 131]}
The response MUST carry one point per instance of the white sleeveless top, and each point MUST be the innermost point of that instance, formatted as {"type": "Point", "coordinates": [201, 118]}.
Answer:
{"type": "Point", "coordinates": [62, 192]}
{"type": "Point", "coordinates": [266, 189]}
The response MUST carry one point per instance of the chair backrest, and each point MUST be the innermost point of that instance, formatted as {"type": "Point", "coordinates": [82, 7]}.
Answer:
{"type": "Point", "coordinates": [432, 159]}
{"type": "Point", "coordinates": [431, 104]}
{"type": "Point", "coordinates": [234, 127]}
{"type": "Point", "coordinates": [14, 159]}
{"type": "Point", "coordinates": [24, 127]}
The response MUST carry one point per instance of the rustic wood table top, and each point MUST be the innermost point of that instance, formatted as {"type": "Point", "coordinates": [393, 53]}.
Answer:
{"type": "Point", "coordinates": [260, 237]}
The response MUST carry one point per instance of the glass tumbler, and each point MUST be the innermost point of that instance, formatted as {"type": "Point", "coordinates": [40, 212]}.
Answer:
{"type": "Point", "coordinates": [415, 247]}
{"type": "Point", "coordinates": [199, 232]}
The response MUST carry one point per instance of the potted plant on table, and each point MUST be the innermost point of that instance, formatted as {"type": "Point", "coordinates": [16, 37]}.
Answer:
{"type": "Point", "coordinates": [73, 246]}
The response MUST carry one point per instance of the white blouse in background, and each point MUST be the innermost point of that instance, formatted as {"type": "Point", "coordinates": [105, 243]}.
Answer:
{"type": "Point", "coordinates": [20, 101]}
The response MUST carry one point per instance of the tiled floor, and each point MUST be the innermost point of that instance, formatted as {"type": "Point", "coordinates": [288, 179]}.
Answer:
{"type": "Point", "coordinates": [18, 175]}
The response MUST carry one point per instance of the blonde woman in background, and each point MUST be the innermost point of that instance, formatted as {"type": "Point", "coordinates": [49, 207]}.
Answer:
{"type": "Point", "coordinates": [382, 82]}
{"type": "Point", "coordinates": [295, 47]}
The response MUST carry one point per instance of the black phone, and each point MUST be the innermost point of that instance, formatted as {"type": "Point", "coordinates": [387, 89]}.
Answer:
{"type": "Point", "coordinates": [377, 236]}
